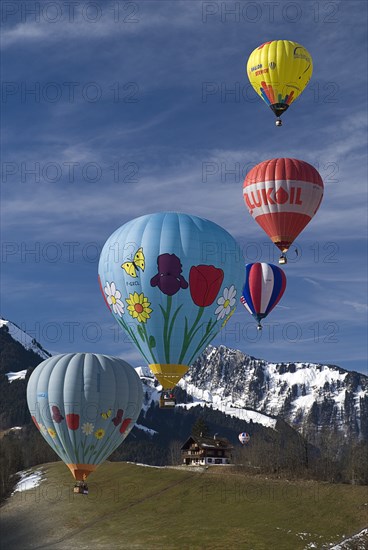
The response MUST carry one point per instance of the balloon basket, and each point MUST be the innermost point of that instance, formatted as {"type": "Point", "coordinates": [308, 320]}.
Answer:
{"type": "Point", "coordinates": [80, 488]}
{"type": "Point", "coordinates": [278, 122]}
{"type": "Point", "coordinates": [282, 260]}
{"type": "Point", "coordinates": [167, 400]}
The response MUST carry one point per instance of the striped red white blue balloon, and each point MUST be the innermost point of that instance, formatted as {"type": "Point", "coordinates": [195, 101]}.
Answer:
{"type": "Point", "coordinates": [264, 286]}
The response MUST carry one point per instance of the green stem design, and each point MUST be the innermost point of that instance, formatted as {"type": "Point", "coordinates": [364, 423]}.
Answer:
{"type": "Point", "coordinates": [134, 338]}
{"type": "Point", "coordinates": [63, 446]}
{"type": "Point", "coordinates": [166, 315]}
{"type": "Point", "coordinates": [206, 338]}
{"type": "Point", "coordinates": [106, 450]}
{"type": "Point", "coordinates": [144, 330]}
{"type": "Point", "coordinates": [173, 320]}
{"type": "Point", "coordinates": [75, 447]}
{"type": "Point", "coordinates": [83, 444]}
{"type": "Point", "coordinates": [189, 335]}
{"type": "Point", "coordinates": [89, 449]}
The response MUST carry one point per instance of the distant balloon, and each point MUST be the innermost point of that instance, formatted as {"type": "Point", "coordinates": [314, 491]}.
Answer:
{"type": "Point", "coordinates": [84, 405]}
{"type": "Point", "coordinates": [264, 286]}
{"type": "Point", "coordinates": [279, 71]}
{"type": "Point", "coordinates": [283, 195]}
{"type": "Point", "coordinates": [171, 281]}
{"type": "Point", "coordinates": [244, 438]}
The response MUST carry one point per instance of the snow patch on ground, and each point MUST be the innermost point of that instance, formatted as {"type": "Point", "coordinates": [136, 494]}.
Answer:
{"type": "Point", "coordinates": [145, 429]}
{"type": "Point", "coordinates": [16, 375]}
{"type": "Point", "coordinates": [29, 480]}
{"type": "Point", "coordinates": [242, 414]}
{"type": "Point", "coordinates": [145, 465]}
{"type": "Point", "coordinates": [359, 541]}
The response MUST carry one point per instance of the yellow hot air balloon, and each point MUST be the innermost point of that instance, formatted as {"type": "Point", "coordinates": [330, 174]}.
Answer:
{"type": "Point", "coordinates": [279, 71]}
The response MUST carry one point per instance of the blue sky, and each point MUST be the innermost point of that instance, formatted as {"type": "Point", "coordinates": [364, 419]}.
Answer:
{"type": "Point", "coordinates": [112, 110]}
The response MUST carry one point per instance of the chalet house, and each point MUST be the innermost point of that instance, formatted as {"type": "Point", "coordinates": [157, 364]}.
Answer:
{"type": "Point", "coordinates": [200, 451]}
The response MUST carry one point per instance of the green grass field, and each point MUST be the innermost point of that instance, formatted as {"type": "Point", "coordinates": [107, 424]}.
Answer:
{"type": "Point", "coordinates": [135, 507]}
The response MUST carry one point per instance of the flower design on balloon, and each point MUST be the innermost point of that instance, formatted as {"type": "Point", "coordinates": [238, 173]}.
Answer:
{"type": "Point", "coordinates": [72, 421]}
{"type": "Point", "coordinates": [43, 429]}
{"type": "Point", "coordinates": [113, 297]}
{"type": "Point", "coordinates": [225, 321]}
{"type": "Point", "coordinates": [52, 432]}
{"type": "Point", "coordinates": [99, 433]}
{"type": "Point", "coordinates": [125, 424]}
{"type": "Point", "coordinates": [118, 418]}
{"type": "Point", "coordinates": [225, 302]}
{"type": "Point", "coordinates": [87, 428]}
{"type": "Point", "coordinates": [205, 282]}
{"type": "Point", "coordinates": [138, 307]}
{"type": "Point", "coordinates": [56, 414]}
{"type": "Point", "coordinates": [169, 278]}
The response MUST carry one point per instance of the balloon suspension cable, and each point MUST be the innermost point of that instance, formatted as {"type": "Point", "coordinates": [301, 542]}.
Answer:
{"type": "Point", "coordinates": [282, 259]}
{"type": "Point", "coordinates": [278, 122]}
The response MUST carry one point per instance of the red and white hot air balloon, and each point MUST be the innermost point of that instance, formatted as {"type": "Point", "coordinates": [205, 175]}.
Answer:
{"type": "Point", "coordinates": [283, 195]}
{"type": "Point", "coordinates": [244, 437]}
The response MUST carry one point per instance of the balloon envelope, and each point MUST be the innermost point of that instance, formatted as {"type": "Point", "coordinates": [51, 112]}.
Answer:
{"type": "Point", "coordinates": [84, 405]}
{"type": "Point", "coordinates": [283, 195]}
{"type": "Point", "coordinates": [171, 281]}
{"type": "Point", "coordinates": [264, 286]}
{"type": "Point", "coordinates": [279, 71]}
{"type": "Point", "coordinates": [244, 438]}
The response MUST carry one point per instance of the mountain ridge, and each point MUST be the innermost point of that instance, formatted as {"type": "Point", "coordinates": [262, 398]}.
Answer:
{"type": "Point", "coordinates": [308, 396]}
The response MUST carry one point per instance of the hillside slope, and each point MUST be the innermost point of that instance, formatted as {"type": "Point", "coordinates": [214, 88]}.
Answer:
{"type": "Point", "coordinates": [140, 508]}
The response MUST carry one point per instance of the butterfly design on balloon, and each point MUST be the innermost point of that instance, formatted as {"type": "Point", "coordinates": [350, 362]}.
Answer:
{"type": "Point", "coordinates": [106, 415]}
{"type": "Point", "coordinates": [138, 262]}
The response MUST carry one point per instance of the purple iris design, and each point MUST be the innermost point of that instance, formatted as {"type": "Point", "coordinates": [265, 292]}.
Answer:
{"type": "Point", "coordinates": [169, 279]}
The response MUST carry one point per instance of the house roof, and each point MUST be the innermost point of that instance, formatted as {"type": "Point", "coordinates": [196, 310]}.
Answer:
{"type": "Point", "coordinates": [208, 442]}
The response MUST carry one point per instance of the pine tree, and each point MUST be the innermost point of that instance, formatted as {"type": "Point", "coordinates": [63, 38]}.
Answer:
{"type": "Point", "coordinates": [200, 428]}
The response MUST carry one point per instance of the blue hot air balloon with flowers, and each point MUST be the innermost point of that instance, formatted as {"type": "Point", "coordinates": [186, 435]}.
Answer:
{"type": "Point", "coordinates": [172, 281]}
{"type": "Point", "coordinates": [84, 405]}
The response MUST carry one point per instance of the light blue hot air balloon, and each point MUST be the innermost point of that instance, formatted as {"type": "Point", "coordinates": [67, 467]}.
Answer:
{"type": "Point", "coordinates": [84, 405]}
{"type": "Point", "coordinates": [171, 281]}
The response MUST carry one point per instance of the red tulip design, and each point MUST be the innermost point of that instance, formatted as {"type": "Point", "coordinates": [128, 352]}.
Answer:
{"type": "Point", "coordinates": [205, 282]}
{"type": "Point", "coordinates": [125, 425]}
{"type": "Point", "coordinates": [72, 421]}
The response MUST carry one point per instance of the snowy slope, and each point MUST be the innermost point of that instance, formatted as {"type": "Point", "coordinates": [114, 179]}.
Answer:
{"type": "Point", "coordinates": [201, 399]}
{"type": "Point", "coordinates": [23, 338]}
{"type": "Point", "coordinates": [308, 396]}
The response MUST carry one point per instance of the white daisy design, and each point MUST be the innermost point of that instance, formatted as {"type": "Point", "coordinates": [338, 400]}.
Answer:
{"type": "Point", "coordinates": [225, 302]}
{"type": "Point", "coordinates": [43, 428]}
{"type": "Point", "coordinates": [87, 428]}
{"type": "Point", "coordinates": [113, 298]}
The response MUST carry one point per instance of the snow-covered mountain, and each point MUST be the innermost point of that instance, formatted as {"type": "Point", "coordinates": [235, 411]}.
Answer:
{"type": "Point", "coordinates": [202, 399]}
{"type": "Point", "coordinates": [23, 338]}
{"type": "Point", "coordinates": [308, 396]}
